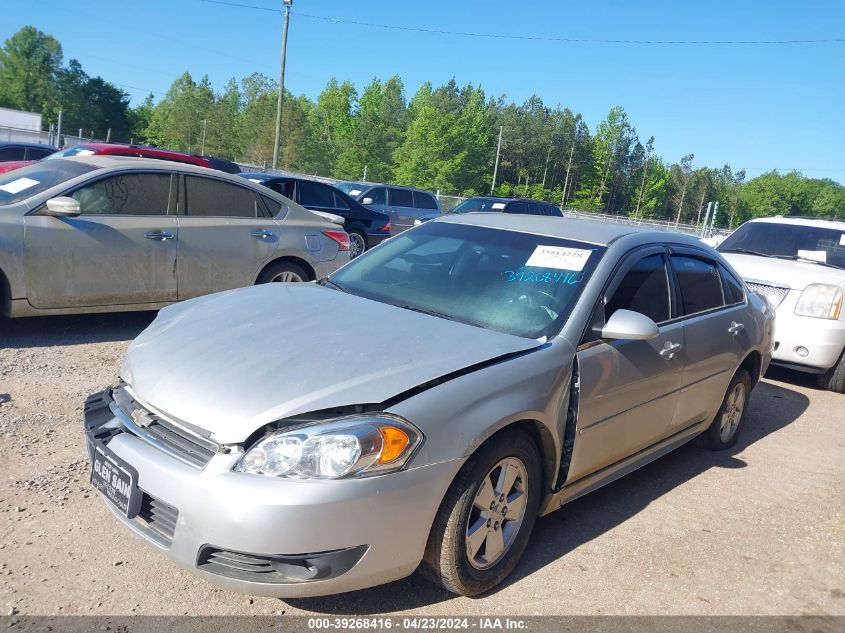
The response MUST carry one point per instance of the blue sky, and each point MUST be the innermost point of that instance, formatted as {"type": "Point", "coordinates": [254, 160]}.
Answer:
{"type": "Point", "coordinates": [757, 107]}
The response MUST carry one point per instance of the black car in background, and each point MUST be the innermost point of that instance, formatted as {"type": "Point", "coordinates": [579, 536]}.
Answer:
{"type": "Point", "coordinates": [14, 150]}
{"type": "Point", "coordinates": [490, 204]}
{"type": "Point", "coordinates": [366, 227]}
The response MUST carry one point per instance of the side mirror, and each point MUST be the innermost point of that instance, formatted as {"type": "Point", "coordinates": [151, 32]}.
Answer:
{"type": "Point", "coordinates": [367, 200]}
{"type": "Point", "coordinates": [629, 325]}
{"type": "Point", "coordinates": [63, 207]}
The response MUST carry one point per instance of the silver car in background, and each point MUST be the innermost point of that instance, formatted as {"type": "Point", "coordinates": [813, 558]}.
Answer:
{"type": "Point", "coordinates": [98, 233]}
{"type": "Point", "coordinates": [470, 374]}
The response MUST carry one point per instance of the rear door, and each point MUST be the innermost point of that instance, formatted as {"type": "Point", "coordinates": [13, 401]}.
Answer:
{"type": "Point", "coordinates": [226, 235]}
{"type": "Point", "coordinates": [320, 197]}
{"type": "Point", "coordinates": [629, 389]}
{"type": "Point", "coordinates": [121, 249]}
{"type": "Point", "coordinates": [400, 203]}
{"type": "Point", "coordinates": [714, 330]}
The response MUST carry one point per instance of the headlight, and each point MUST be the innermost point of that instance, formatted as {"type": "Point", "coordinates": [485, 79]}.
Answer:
{"type": "Point", "coordinates": [349, 447]}
{"type": "Point", "coordinates": [822, 301]}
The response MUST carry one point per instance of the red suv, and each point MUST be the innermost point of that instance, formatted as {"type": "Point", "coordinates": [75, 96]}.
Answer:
{"type": "Point", "coordinates": [114, 149]}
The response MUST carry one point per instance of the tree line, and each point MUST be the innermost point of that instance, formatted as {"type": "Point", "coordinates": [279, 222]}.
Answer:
{"type": "Point", "coordinates": [443, 138]}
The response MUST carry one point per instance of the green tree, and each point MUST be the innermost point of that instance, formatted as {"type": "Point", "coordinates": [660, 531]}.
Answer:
{"type": "Point", "coordinates": [30, 64]}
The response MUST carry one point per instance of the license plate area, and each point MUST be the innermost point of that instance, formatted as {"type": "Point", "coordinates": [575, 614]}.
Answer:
{"type": "Point", "coordinates": [116, 480]}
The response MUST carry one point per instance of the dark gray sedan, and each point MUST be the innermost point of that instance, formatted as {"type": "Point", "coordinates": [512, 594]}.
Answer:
{"type": "Point", "coordinates": [424, 404]}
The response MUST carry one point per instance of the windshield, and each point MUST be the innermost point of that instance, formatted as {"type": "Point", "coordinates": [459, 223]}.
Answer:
{"type": "Point", "coordinates": [788, 241]}
{"type": "Point", "coordinates": [512, 282]}
{"type": "Point", "coordinates": [352, 188]}
{"type": "Point", "coordinates": [479, 204]}
{"type": "Point", "coordinates": [26, 182]}
{"type": "Point", "coordinates": [78, 150]}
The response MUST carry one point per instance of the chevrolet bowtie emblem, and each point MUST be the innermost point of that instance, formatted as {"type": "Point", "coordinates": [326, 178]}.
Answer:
{"type": "Point", "coordinates": [141, 418]}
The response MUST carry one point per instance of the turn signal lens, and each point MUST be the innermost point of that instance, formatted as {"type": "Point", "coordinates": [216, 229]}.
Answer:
{"type": "Point", "coordinates": [395, 442]}
{"type": "Point", "coordinates": [340, 237]}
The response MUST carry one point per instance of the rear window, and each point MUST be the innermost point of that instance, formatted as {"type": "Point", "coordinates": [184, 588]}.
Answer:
{"type": "Point", "coordinates": [401, 198]}
{"type": "Point", "coordinates": [29, 181]}
{"type": "Point", "coordinates": [78, 150]}
{"type": "Point", "coordinates": [207, 197]}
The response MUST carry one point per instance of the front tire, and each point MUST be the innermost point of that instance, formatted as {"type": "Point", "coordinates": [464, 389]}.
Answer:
{"type": "Point", "coordinates": [725, 428]}
{"type": "Point", "coordinates": [834, 378]}
{"type": "Point", "coordinates": [486, 517]}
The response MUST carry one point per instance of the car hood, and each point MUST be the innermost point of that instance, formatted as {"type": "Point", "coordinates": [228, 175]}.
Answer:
{"type": "Point", "coordinates": [232, 362]}
{"type": "Point", "coordinates": [783, 272]}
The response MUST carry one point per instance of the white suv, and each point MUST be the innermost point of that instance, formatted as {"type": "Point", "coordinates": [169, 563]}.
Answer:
{"type": "Point", "coordinates": [799, 266]}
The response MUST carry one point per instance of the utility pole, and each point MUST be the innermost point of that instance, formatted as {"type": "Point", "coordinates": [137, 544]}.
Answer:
{"type": "Point", "coordinates": [364, 179]}
{"type": "Point", "coordinates": [204, 128]}
{"type": "Point", "coordinates": [496, 166]}
{"type": "Point", "coordinates": [108, 136]}
{"type": "Point", "coordinates": [706, 219]}
{"type": "Point", "coordinates": [59, 131]}
{"type": "Point", "coordinates": [713, 219]}
{"type": "Point", "coordinates": [546, 168]}
{"type": "Point", "coordinates": [568, 168]}
{"type": "Point", "coordinates": [280, 105]}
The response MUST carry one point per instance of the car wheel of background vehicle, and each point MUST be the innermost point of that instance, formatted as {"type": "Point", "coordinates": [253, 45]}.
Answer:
{"type": "Point", "coordinates": [486, 517]}
{"type": "Point", "coordinates": [724, 429]}
{"type": "Point", "coordinates": [357, 244]}
{"type": "Point", "coordinates": [834, 378]}
{"type": "Point", "coordinates": [282, 272]}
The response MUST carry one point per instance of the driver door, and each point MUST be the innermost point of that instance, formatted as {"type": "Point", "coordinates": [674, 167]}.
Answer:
{"type": "Point", "coordinates": [120, 250]}
{"type": "Point", "coordinates": [629, 389]}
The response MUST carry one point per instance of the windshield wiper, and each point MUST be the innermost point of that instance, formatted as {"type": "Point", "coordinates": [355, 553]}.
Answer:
{"type": "Point", "coordinates": [332, 284]}
{"type": "Point", "coordinates": [746, 251]}
{"type": "Point", "coordinates": [442, 315]}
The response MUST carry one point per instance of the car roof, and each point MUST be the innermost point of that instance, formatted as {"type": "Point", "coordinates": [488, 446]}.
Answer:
{"type": "Point", "coordinates": [830, 224]}
{"type": "Point", "coordinates": [26, 144]}
{"type": "Point", "coordinates": [594, 232]}
{"type": "Point", "coordinates": [104, 161]}
{"type": "Point", "coordinates": [509, 200]}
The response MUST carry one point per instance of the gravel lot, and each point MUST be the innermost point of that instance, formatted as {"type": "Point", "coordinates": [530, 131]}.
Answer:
{"type": "Point", "coordinates": [757, 530]}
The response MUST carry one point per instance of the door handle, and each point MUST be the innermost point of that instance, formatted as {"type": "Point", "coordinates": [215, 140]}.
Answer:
{"type": "Point", "coordinates": [670, 349]}
{"type": "Point", "coordinates": [263, 234]}
{"type": "Point", "coordinates": [159, 235]}
{"type": "Point", "coordinates": [736, 328]}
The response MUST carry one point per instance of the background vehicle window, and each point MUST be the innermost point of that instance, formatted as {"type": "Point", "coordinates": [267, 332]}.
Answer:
{"type": "Point", "coordinates": [211, 198]}
{"type": "Point", "coordinates": [516, 207]}
{"type": "Point", "coordinates": [534, 209]}
{"type": "Point", "coordinates": [554, 211]}
{"type": "Point", "coordinates": [125, 194]}
{"type": "Point", "coordinates": [284, 187]}
{"type": "Point", "coordinates": [11, 153]}
{"type": "Point", "coordinates": [379, 195]}
{"type": "Point", "coordinates": [401, 198]}
{"type": "Point", "coordinates": [340, 202]}
{"type": "Point", "coordinates": [314, 194]}
{"type": "Point", "coordinates": [732, 287]}
{"type": "Point", "coordinates": [36, 153]}
{"type": "Point", "coordinates": [644, 289]}
{"type": "Point", "coordinates": [423, 200]}
{"type": "Point", "coordinates": [699, 282]}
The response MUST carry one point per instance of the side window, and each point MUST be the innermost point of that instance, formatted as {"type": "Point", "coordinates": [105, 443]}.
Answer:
{"type": "Point", "coordinates": [211, 198]}
{"type": "Point", "coordinates": [273, 206]}
{"type": "Point", "coordinates": [379, 196]}
{"type": "Point", "coordinates": [534, 209]}
{"type": "Point", "coordinates": [423, 200]}
{"type": "Point", "coordinates": [284, 187]}
{"type": "Point", "coordinates": [644, 289]}
{"type": "Point", "coordinates": [732, 287]}
{"type": "Point", "coordinates": [11, 153]}
{"type": "Point", "coordinates": [401, 198]}
{"type": "Point", "coordinates": [125, 194]}
{"type": "Point", "coordinates": [553, 211]}
{"type": "Point", "coordinates": [699, 283]}
{"type": "Point", "coordinates": [340, 202]}
{"type": "Point", "coordinates": [315, 194]}
{"type": "Point", "coordinates": [516, 207]}
{"type": "Point", "coordinates": [36, 153]}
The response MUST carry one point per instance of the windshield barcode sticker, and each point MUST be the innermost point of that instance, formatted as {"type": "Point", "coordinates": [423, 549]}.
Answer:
{"type": "Point", "coordinates": [842, 240]}
{"type": "Point", "coordinates": [16, 186]}
{"type": "Point", "coordinates": [559, 257]}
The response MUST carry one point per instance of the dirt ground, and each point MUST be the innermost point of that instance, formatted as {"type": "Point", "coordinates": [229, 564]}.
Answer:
{"type": "Point", "coordinates": [759, 529]}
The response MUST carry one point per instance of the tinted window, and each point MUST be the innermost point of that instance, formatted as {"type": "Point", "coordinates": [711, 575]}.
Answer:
{"type": "Point", "coordinates": [340, 202]}
{"type": "Point", "coordinates": [273, 206]}
{"type": "Point", "coordinates": [401, 198]}
{"type": "Point", "coordinates": [379, 195]}
{"type": "Point", "coordinates": [479, 204]}
{"type": "Point", "coordinates": [423, 200]}
{"type": "Point", "coordinates": [284, 187]}
{"type": "Point", "coordinates": [516, 207]}
{"type": "Point", "coordinates": [314, 194]}
{"type": "Point", "coordinates": [699, 282]}
{"type": "Point", "coordinates": [553, 211]}
{"type": "Point", "coordinates": [34, 153]}
{"type": "Point", "coordinates": [732, 287]}
{"type": "Point", "coordinates": [11, 153]}
{"type": "Point", "coordinates": [644, 289]}
{"type": "Point", "coordinates": [207, 197]}
{"type": "Point", "coordinates": [534, 208]}
{"type": "Point", "coordinates": [125, 194]}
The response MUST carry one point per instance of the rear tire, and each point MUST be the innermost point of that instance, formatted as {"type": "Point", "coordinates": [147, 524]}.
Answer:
{"type": "Point", "coordinates": [725, 428]}
{"type": "Point", "coordinates": [834, 378]}
{"type": "Point", "coordinates": [286, 272]}
{"type": "Point", "coordinates": [357, 244]}
{"type": "Point", "coordinates": [472, 548]}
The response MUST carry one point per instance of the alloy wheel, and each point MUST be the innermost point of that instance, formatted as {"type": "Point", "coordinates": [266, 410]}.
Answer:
{"type": "Point", "coordinates": [734, 407]}
{"type": "Point", "coordinates": [286, 276]}
{"type": "Point", "coordinates": [356, 245]}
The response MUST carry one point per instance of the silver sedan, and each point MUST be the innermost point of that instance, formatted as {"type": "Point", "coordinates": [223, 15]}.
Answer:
{"type": "Point", "coordinates": [97, 233]}
{"type": "Point", "coordinates": [420, 407]}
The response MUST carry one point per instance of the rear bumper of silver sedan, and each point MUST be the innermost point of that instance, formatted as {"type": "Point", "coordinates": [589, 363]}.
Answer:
{"type": "Point", "coordinates": [267, 536]}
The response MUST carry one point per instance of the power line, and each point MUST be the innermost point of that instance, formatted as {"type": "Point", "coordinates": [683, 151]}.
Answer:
{"type": "Point", "coordinates": [536, 38]}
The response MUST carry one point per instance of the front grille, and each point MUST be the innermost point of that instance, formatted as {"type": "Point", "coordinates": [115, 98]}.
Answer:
{"type": "Point", "coordinates": [189, 448]}
{"type": "Point", "coordinates": [157, 519]}
{"type": "Point", "coordinates": [774, 294]}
